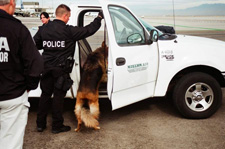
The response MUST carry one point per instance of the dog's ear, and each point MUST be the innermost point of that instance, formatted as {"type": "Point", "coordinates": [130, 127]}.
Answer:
{"type": "Point", "coordinates": [103, 44]}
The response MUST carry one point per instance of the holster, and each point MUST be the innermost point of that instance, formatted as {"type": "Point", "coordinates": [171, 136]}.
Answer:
{"type": "Point", "coordinates": [64, 82]}
{"type": "Point", "coordinates": [68, 65]}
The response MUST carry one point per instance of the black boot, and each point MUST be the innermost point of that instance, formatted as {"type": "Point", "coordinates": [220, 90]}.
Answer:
{"type": "Point", "coordinates": [41, 129]}
{"type": "Point", "coordinates": [61, 129]}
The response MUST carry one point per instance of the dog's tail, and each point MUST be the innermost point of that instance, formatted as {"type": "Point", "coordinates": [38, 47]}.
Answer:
{"type": "Point", "coordinates": [90, 116]}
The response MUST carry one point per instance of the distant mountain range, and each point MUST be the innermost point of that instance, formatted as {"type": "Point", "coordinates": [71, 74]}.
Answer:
{"type": "Point", "coordinates": [205, 9]}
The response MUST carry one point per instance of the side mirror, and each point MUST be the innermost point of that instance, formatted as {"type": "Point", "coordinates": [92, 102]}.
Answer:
{"type": "Point", "coordinates": [154, 35]}
{"type": "Point", "coordinates": [134, 38]}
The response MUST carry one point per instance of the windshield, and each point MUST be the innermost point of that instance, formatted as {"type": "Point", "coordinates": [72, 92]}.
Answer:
{"type": "Point", "coordinates": [149, 27]}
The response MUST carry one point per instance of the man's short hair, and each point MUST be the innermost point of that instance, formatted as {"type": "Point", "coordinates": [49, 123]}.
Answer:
{"type": "Point", "coordinates": [4, 2]}
{"type": "Point", "coordinates": [62, 9]}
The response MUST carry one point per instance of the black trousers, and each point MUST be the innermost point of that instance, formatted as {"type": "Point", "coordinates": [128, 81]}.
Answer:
{"type": "Point", "coordinates": [47, 86]}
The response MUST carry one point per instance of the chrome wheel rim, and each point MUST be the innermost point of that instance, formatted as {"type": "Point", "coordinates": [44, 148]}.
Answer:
{"type": "Point", "coordinates": [199, 97]}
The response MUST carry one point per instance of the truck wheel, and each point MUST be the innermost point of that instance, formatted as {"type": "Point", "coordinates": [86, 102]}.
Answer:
{"type": "Point", "coordinates": [197, 95]}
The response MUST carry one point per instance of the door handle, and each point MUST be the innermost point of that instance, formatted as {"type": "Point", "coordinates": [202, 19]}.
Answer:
{"type": "Point", "coordinates": [120, 61]}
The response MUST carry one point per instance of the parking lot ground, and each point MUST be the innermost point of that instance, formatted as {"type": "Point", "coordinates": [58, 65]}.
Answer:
{"type": "Point", "coordinates": [152, 123]}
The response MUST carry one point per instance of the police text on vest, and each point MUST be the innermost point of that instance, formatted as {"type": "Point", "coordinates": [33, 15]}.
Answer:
{"type": "Point", "coordinates": [54, 44]}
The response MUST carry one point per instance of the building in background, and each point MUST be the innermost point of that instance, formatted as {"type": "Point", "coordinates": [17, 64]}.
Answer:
{"type": "Point", "coordinates": [27, 9]}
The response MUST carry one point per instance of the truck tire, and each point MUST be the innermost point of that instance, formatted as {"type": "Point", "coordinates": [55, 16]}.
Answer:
{"type": "Point", "coordinates": [197, 95]}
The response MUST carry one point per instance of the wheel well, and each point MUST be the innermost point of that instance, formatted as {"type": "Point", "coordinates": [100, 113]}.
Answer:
{"type": "Point", "coordinates": [216, 74]}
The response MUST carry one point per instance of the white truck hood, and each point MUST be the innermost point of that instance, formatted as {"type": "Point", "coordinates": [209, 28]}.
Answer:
{"type": "Point", "coordinates": [193, 50]}
{"type": "Point", "coordinates": [200, 43]}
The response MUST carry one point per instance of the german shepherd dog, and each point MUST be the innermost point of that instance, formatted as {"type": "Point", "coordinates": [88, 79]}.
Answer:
{"type": "Point", "coordinates": [94, 72]}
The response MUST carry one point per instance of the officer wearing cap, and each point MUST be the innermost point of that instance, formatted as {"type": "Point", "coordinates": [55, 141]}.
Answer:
{"type": "Point", "coordinates": [58, 41]}
{"type": "Point", "coordinates": [20, 68]}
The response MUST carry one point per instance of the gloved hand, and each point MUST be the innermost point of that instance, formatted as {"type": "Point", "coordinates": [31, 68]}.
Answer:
{"type": "Point", "coordinates": [100, 14]}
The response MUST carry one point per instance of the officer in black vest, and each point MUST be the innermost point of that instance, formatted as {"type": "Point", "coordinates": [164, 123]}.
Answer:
{"type": "Point", "coordinates": [58, 41]}
{"type": "Point", "coordinates": [20, 67]}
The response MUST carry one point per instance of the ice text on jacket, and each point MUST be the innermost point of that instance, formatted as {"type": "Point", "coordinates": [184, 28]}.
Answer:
{"type": "Point", "coordinates": [4, 49]}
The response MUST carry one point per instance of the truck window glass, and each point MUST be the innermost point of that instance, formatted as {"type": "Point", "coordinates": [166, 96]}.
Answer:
{"type": "Point", "coordinates": [125, 25]}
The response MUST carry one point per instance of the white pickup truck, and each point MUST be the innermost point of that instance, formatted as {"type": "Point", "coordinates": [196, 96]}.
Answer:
{"type": "Point", "coordinates": [144, 63]}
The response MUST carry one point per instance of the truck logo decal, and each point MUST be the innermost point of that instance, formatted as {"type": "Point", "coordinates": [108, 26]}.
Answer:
{"type": "Point", "coordinates": [137, 67]}
{"type": "Point", "coordinates": [168, 55]}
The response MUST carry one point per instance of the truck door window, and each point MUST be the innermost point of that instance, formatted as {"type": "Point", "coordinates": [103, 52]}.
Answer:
{"type": "Point", "coordinates": [125, 25]}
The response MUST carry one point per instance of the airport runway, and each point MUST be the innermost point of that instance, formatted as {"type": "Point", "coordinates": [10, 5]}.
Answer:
{"type": "Point", "coordinates": [214, 23]}
{"type": "Point", "coordinates": [149, 124]}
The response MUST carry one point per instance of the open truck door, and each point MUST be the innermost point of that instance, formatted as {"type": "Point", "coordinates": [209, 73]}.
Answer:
{"type": "Point", "coordinates": [132, 60]}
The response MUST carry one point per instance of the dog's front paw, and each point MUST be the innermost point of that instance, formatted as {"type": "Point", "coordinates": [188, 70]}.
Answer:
{"type": "Point", "coordinates": [77, 129]}
{"type": "Point", "coordinates": [97, 128]}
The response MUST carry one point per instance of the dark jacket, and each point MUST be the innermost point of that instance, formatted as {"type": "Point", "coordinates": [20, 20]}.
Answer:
{"type": "Point", "coordinates": [20, 61]}
{"type": "Point", "coordinates": [58, 40]}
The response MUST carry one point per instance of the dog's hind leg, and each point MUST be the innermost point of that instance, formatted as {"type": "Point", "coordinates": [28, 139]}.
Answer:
{"type": "Point", "coordinates": [79, 105]}
{"type": "Point", "coordinates": [94, 109]}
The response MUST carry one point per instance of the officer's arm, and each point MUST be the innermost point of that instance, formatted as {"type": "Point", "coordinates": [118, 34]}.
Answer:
{"type": "Point", "coordinates": [84, 32]}
{"type": "Point", "coordinates": [38, 39]}
{"type": "Point", "coordinates": [32, 60]}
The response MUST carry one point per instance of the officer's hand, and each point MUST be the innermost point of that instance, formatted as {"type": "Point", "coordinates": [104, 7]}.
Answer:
{"type": "Point", "coordinates": [100, 14]}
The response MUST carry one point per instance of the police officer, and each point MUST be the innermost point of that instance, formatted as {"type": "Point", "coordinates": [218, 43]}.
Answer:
{"type": "Point", "coordinates": [20, 68]}
{"type": "Point", "coordinates": [58, 41]}
{"type": "Point", "coordinates": [44, 17]}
